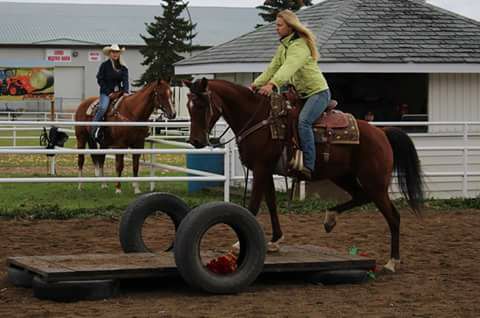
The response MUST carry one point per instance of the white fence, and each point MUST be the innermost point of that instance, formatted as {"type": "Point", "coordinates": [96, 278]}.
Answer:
{"type": "Point", "coordinates": [195, 175]}
{"type": "Point", "coordinates": [451, 162]}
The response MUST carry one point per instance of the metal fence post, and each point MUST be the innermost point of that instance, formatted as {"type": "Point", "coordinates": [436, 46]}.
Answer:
{"type": "Point", "coordinates": [152, 162]}
{"type": "Point", "coordinates": [465, 160]}
{"type": "Point", "coordinates": [301, 191]}
{"type": "Point", "coordinates": [14, 136]}
{"type": "Point", "coordinates": [226, 169]}
{"type": "Point", "coordinates": [53, 170]}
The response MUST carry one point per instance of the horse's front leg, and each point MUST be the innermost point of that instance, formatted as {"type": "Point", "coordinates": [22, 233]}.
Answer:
{"type": "Point", "coordinates": [260, 176]}
{"type": "Point", "coordinates": [136, 163]}
{"type": "Point", "coordinates": [119, 169]}
{"type": "Point", "coordinates": [258, 189]}
{"type": "Point", "coordinates": [81, 143]}
{"type": "Point", "coordinates": [277, 235]}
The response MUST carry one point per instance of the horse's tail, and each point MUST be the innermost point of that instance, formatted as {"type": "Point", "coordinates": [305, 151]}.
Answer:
{"type": "Point", "coordinates": [407, 166]}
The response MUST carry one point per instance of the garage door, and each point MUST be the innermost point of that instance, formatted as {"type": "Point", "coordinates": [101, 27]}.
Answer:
{"type": "Point", "coordinates": [69, 87]}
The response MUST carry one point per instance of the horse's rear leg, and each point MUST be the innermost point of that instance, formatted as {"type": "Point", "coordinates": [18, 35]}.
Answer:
{"type": "Point", "coordinates": [379, 195]}
{"type": "Point", "coordinates": [350, 184]}
{"type": "Point", "coordinates": [119, 169]}
{"type": "Point", "coordinates": [98, 161]}
{"type": "Point", "coordinates": [136, 163]}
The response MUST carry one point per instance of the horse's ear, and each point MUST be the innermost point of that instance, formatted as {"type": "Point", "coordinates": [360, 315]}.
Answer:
{"type": "Point", "coordinates": [164, 81]}
{"type": "Point", "coordinates": [187, 83]}
{"type": "Point", "coordinates": [203, 84]}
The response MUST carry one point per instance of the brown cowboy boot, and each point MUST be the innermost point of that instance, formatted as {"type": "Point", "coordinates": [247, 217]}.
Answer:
{"type": "Point", "coordinates": [305, 174]}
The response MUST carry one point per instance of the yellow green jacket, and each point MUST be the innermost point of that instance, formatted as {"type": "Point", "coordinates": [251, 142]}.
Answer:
{"type": "Point", "coordinates": [293, 64]}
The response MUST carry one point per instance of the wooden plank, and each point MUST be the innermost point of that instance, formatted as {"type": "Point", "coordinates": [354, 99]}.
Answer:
{"type": "Point", "coordinates": [97, 266]}
{"type": "Point", "coordinates": [37, 265]}
{"type": "Point", "coordinates": [313, 258]}
{"type": "Point", "coordinates": [146, 265]}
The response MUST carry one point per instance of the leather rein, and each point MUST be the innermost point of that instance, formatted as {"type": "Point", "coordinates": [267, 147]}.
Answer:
{"type": "Point", "coordinates": [246, 130]}
{"type": "Point", "coordinates": [156, 105]}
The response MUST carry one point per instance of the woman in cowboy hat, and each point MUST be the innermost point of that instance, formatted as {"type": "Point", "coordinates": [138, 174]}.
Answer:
{"type": "Point", "coordinates": [112, 76]}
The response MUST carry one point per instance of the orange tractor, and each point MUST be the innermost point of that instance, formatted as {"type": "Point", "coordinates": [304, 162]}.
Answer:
{"type": "Point", "coordinates": [19, 85]}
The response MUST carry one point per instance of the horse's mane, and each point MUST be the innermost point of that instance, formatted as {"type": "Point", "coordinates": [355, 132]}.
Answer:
{"type": "Point", "coordinates": [141, 90]}
{"type": "Point", "coordinates": [146, 86]}
{"type": "Point", "coordinates": [254, 99]}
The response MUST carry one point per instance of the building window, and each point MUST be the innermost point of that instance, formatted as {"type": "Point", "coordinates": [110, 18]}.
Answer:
{"type": "Point", "coordinates": [382, 97]}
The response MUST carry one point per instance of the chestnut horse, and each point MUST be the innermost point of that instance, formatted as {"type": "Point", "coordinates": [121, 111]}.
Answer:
{"type": "Point", "coordinates": [135, 107]}
{"type": "Point", "coordinates": [363, 170]}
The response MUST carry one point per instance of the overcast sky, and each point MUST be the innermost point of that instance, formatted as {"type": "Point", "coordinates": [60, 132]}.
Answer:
{"type": "Point", "coordinates": [469, 8]}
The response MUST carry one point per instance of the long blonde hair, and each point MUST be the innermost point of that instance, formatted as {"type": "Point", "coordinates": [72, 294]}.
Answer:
{"type": "Point", "coordinates": [292, 21]}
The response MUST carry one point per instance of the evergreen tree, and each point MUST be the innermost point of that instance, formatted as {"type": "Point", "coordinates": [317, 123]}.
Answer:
{"type": "Point", "coordinates": [168, 36]}
{"type": "Point", "coordinates": [272, 7]}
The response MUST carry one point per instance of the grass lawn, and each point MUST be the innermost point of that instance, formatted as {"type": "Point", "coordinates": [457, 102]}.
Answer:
{"type": "Point", "coordinates": [65, 200]}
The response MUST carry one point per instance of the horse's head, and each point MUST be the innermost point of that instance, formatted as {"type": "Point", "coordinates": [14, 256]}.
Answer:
{"type": "Point", "coordinates": [162, 98]}
{"type": "Point", "coordinates": [204, 112]}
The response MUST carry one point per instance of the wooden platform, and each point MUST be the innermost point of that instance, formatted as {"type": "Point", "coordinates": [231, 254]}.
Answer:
{"type": "Point", "coordinates": [88, 267]}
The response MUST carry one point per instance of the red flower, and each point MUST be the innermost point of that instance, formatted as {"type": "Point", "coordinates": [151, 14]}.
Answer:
{"type": "Point", "coordinates": [224, 264]}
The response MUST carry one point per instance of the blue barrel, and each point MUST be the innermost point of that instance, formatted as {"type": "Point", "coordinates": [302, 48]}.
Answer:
{"type": "Point", "coordinates": [205, 162]}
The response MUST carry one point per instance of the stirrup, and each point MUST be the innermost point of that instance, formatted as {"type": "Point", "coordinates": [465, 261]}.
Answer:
{"type": "Point", "coordinates": [297, 161]}
{"type": "Point", "coordinates": [305, 174]}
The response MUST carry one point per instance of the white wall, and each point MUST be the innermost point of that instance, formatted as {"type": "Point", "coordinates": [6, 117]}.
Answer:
{"type": "Point", "coordinates": [454, 97]}
{"type": "Point", "coordinates": [443, 161]}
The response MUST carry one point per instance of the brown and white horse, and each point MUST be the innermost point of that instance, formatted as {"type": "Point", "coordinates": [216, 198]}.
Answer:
{"type": "Point", "coordinates": [135, 107]}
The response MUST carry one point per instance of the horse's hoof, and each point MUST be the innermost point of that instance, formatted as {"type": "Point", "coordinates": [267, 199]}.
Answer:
{"type": "Point", "coordinates": [274, 247]}
{"type": "Point", "coordinates": [390, 266]}
{"type": "Point", "coordinates": [329, 226]}
{"type": "Point", "coordinates": [236, 248]}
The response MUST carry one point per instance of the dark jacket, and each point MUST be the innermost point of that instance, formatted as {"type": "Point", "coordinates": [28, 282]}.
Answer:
{"type": "Point", "coordinates": [108, 78]}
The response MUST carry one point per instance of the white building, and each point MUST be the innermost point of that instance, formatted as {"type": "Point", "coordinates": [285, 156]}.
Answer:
{"type": "Point", "coordinates": [37, 31]}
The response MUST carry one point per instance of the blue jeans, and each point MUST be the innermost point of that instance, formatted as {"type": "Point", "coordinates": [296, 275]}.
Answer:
{"type": "Point", "coordinates": [311, 111]}
{"type": "Point", "coordinates": [102, 107]}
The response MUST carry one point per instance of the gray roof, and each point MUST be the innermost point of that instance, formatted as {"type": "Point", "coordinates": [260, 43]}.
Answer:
{"type": "Point", "coordinates": [92, 24]}
{"type": "Point", "coordinates": [365, 31]}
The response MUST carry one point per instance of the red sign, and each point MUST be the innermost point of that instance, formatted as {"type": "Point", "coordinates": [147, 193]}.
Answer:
{"type": "Point", "coordinates": [58, 55]}
{"type": "Point", "coordinates": [94, 56]}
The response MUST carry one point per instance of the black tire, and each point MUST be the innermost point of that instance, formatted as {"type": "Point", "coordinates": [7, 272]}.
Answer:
{"type": "Point", "coordinates": [139, 210]}
{"type": "Point", "coordinates": [187, 247]}
{"type": "Point", "coordinates": [19, 277]}
{"type": "Point", "coordinates": [336, 277]}
{"type": "Point", "coordinates": [69, 291]}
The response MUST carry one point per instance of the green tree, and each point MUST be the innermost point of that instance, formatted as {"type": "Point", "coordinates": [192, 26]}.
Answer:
{"type": "Point", "coordinates": [272, 7]}
{"type": "Point", "coordinates": [168, 36]}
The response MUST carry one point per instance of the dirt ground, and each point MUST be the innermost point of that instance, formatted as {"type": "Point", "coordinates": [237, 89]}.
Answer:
{"type": "Point", "coordinates": [439, 275]}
